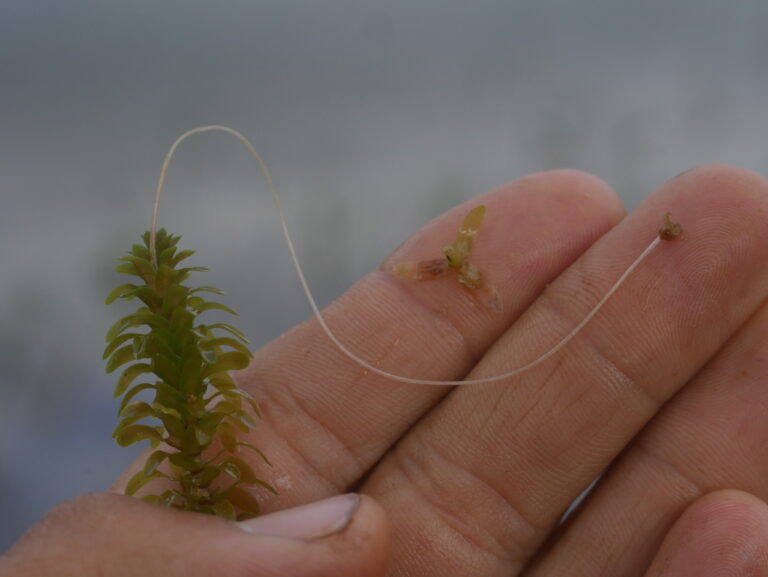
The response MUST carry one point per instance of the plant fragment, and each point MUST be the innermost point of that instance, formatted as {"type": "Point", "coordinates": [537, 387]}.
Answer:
{"type": "Point", "coordinates": [186, 365]}
{"type": "Point", "coordinates": [455, 259]}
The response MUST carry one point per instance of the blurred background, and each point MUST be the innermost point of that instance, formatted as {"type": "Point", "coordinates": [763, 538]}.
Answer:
{"type": "Point", "coordinates": [373, 116]}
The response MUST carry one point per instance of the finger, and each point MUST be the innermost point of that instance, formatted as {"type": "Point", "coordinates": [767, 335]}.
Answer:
{"type": "Point", "coordinates": [492, 469]}
{"type": "Point", "coordinates": [711, 436]}
{"type": "Point", "coordinates": [103, 534]}
{"type": "Point", "coordinates": [721, 534]}
{"type": "Point", "coordinates": [326, 420]}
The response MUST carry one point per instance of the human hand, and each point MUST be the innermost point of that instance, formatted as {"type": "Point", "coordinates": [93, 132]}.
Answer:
{"type": "Point", "coordinates": [662, 388]}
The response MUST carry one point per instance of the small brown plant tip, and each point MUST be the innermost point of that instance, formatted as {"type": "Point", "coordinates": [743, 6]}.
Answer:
{"type": "Point", "coordinates": [670, 230]}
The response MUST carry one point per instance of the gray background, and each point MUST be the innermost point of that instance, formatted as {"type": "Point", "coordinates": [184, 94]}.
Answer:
{"type": "Point", "coordinates": [374, 117]}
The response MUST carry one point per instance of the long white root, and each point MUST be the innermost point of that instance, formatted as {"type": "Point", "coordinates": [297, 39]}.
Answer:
{"type": "Point", "coordinates": [341, 346]}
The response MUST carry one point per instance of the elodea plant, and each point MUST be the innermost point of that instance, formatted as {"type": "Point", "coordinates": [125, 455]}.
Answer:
{"type": "Point", "coordinates": [186, 366]}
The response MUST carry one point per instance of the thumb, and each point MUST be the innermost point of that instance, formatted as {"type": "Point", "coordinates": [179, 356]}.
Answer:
{"type": "Point", "coordinates": [107, 534]}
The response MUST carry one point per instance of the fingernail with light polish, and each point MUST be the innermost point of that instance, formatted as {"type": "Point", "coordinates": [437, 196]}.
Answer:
{"type": "Point", "coordinates": [307, 522]}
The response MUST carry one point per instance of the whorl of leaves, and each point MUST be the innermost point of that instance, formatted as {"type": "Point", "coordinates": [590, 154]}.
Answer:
{"type": "Point", "coordinates": [185, 364]}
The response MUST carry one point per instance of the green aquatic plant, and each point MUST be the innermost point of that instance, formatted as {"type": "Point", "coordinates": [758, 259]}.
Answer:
{"type": "Point", "coordinates": [197, 407]}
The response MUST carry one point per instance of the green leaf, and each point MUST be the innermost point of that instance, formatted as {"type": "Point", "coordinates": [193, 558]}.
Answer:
{"type": "Point", "coordinates": [266, 485]}
{"type": "Point", "coordinates": [140, 251]}
{"type": "Point", "coordinates": [228, 436]}
{"type": "Point", "coordinates": [229, 405]}
{"type": "Point", "coordinates": [153, 461]}
{"type": "Point", "coordinates": [142, 266]}
{"type": "Point", "coordinates": [120, 357]}
{"type": "Point", "coordinates": [207, 289]}
{"type": "Point", "coordinates": [139, 480]}
{"type": "Point", "coordinates": [209, 474]}
{"type": "Point", "coordinates": [230, 361]}
{"type": "Point", "coordinates": [132, 393]}
{"type": "Point", "coordinates": [254, 448]}
{"type": "Point", "coordinates": [243, 500]}
{"type": "Point", "coordinates": [232, 412]}
{"type": "Point", "coordinates": [254, 405]}
{"type": "Point", "coordinates": [139, 345]}
{"type": "Point", "coordinates": [126, 268]}
{"type": "Point", "coordinates": [193, 269]}
{"type": "Point", "coordinates": [169, 397]}
{"type": "Point", "coordinates": [193, 302]}
{"type": "Point", "coordinates": [238, 469]}
{"type": "Point", "coordinates": [173, 425]}
{"type": "Point", "coordinates": [230, 329]}
{"type": "Point", "coordinates": [137, 411]}
{"type": "Point", "coordinates": [164, 278]}
{"type": "Point", "coordinates": [175, 297]}
{"type": "Point", "coordinates": [203, 437]}
{"type": "Point", "coordinates": [236, 394]}
{"type": "Point", "coordinates": [169, 496]}
{"type": "Point", "coordinates": [160, 409]}
{"type": "Point", "coordinates": [165, 500]}
{"type": "Point", "coordinates": [209, 422]}
{"type": "Point", "coordinates": [185, 462]}
{"type": "Point", "coordinates": [165, 255]}
{"type": "Point", "coordinates": [239, 424]}
{"type": "Point", "coordinates": [120, 291]}
{"type": "Point", "coordinates": [166, 369]}
{"type": "Point", "coordinates": [245, 418]}
{"type": "Point", "coordinates": [226, 407]}
{"type": "Point", "coordinates": [160, 341]}
{"type": "Point", "coordinates": [134, 433]}
{"type": "Point", "coordinates": [224, 508]}
{"type": "Point", "coordinates": [211, 306]}
{"type": "Point", "coordinates": [144, 293]}
{"type": "Point", "coordinates": [122, 324]}
{"type": "Point", "coordinates": [143, 316]}
{"type": "Point", "coordinates": [116, 342]}
{"type": "Point", "coordinates": [182, 254]}
{"type": "Point", "coordinates": [181, 319]}
{"type": "Point", "coordinates": [226, 342]}
{"type": "Point", "coordinates": [209, 356]}
{"type": "Point", "coordinates": [129, 375]}
{"type": "Point", "coordinates": [222, 381]}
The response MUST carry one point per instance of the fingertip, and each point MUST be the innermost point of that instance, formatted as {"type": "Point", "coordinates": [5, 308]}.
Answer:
{"type": "Point", "coordinates": [724, 533]}
{"type": "Point", "coordinates": [573, 184]}
{"type": "Point", "coordinates": [721, 201]}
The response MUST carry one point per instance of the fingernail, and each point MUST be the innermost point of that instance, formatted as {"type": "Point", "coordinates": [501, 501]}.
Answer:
{"type": "Point", "coordinates": [307, 522]}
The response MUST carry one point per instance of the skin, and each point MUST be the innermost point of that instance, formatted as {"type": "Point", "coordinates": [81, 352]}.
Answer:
{"type": "Point", "coordinates": [662, 394]}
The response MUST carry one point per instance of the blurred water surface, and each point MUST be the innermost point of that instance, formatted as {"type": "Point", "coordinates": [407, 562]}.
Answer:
{"type": "Point", "coordinates": [374, 118]}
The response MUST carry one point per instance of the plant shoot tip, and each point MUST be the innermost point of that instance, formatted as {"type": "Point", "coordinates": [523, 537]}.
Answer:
{"type": "Point", "coordinates": [670, 230]}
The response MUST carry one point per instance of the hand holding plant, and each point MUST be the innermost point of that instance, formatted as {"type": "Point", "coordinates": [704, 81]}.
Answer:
{"type": "Point", "coordinates": [662, 393]}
